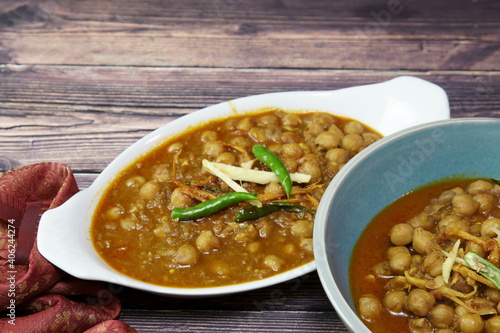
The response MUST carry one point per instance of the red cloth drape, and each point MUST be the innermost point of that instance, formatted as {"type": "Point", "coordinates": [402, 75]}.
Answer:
{"type": "Point", "coordinates": [35, 296]}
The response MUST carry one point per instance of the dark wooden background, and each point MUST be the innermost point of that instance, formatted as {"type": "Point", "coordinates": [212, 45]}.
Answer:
{"type": "Point", "coordinates": [80, 80]}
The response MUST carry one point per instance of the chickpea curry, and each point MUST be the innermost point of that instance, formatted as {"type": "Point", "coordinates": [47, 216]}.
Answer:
{"type": "Point", "coordinates": [226, 202]}
{"type": "Point", "coordinates": [437, 270]}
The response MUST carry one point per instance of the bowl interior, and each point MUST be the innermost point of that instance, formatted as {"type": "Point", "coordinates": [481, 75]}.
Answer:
{"type": "Point", "coordinates": [384, 172]}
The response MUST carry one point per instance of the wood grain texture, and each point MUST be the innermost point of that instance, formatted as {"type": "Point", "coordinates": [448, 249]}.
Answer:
{"type": "Point", "coordinates": [86, 116]}
{"type": "Point", "coordinates": [246, 34]}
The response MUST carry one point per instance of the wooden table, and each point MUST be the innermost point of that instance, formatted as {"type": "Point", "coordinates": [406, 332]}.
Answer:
{"type": "Point", "coordinates": [80, 80]}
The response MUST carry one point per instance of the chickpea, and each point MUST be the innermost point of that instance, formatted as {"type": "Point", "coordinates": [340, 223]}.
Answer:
{"type": "Point", "coordinates": [220, 268]}
{"type": "Point", "coordinates": [180, 200]}
{"type": "Point", "coordinates": [457, 224]}
{"type": "Point", "coordinates": [240, 141]}
{"type": "Point", "coordinates": [127, 223]}
{"type": "Point", "coordinates": [207, 241]}
{"type": "Point", "coordinates": [353, 143]}
{"type": "Point", "coordinates": [258, 134]}
{"type": "Point", "coordinates": [274, 187]}
{"type": "Point", "coordinates": [293, 150]}
{"type": "Point", "coordinates": [486, 202]}
{"type": "Point", "coordinates": [311, 168]}
{"type": "Point", "coordinates": [253, 247]}
{"type": "Point", "coordinates": [423, 220]}
{"type": "Point", "coordinates": [161, 173]}
{"type": "Point", "coordinates": [417, 260]}
{"type": "Point", "coordinates": [313, 129]}
{"type": "Point", "coordinates": [423, 241]}
{"type": "Point", "coordinates": [493, 294]}
{"type": "Point", "coordinates": [310, 158]}
{"type": "Point", "coordinates": [303, 228]}
{"type": "Point", "coordinates": [208, 136]}
{"type": "Point", "coordinates": [213, 148]}
{"type": "Point", "coordinates": [245, 124]}
{"type": "Point", "coordinates": [327, 140]}
{"type": "Point", "coordinates": [433, 263]}
{"type": "Point", "coordinates": [265, 228]}
{"type": "Point", "coordinates": [471, 323]}
{"type": "Point", "coordinates": [291, 137]}
{"type": "Point", "coordinates": [479, 186]}
{"type": "Point", "coordinates": [394, 301]}
{"type": "Point", "coordinates": [323, 119]}
{"type": "Point", "coordinates": [445, 198]}
{"type": "Point", "coordinates": [226, 158]}
{"type": "Point", "coordinates": [247, 234]}
{"type": "Point", "coordinates": [370, 138]}
{"type": "Point", "coordinates": [370, 308]}
{"type": "Point", "coordinates": [353, 127]}
{"type": "Point", "coordinates": [464, 205]}
{"type": "Point", "coordinates": [338, 155]}
{"type": "Point", "coordinates": [419, 325]}
{"type": "Point", "coordinates": [149, 190]}
{"type": "Point", "coordinates": [382, 269]}
{"type": "Point", "coordinates": [307, 245]}
{"type": "Point", "coordinates": [187, 255]}
{"type": "Point", "coordinates": [479, 249]}
{"type": "Point", "coordinates": [289, 249]}
{"type": "Point", "coordinates": [333, 167]}
{"type": "Point", "coordinates": [111, 225]}
{"type": "Point", "coordinates": [397, 283]}
{"type": "Point", "coordinates": [420, 302]}
{"type": "Point", "coordinates": [290, 164]}
{"type": "Point", "coordinates": [492, 325]}
{"type": "Point", "coordinates": [489, 226]}
{"type": "Point", "coordinates": [273, 262]}
{"type": "Point", "coordinates": [401, 234]}
{"type": "Point", "coordinates": [135, 182]}
{"type": "Point", "coordinates": [396, 249]}
{"type": "Point", "coordinates": [175, 147]}
{"type": "Point", "coordinates": [441, 315]}
{"type": "Point", "coordinates": [400, 262]}
{"type": "Point", "coordinates": [274, 133]}
{"type": "Point", "coordinates": [291, 120]}
{"type": "Point", "coordinates": [115, 212]}
{"type": "Point", "coordinates": [335, 129]}
{"type": "Point", "coordinates": [268, 120]}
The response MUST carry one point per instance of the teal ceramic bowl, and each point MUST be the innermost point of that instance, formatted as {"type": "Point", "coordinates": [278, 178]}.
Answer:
{"type": "Point", "coordinates": [401, 162]}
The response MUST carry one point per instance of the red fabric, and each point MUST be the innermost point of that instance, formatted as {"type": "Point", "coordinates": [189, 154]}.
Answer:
{"type": "Point", "coordinates": [44, 298]}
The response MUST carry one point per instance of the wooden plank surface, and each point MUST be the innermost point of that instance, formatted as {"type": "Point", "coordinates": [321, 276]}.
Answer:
{"type": "Point", "coordinates": [67, 113]}
{"type": "Point", "coordinates": [245, 34]}
{"type": "Point", "coordinates": [82, 80]}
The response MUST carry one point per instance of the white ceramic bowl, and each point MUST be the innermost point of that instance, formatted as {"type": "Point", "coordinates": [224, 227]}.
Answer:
{"type": "Point", "coordinates": [63, 235]}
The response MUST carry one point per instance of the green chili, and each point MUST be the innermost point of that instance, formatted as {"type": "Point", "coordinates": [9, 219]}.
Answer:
{"type": "Point", "coordinates": [274, 163]}
{"type": "Point", "coordinates": [290, 206]}
{"type": "Point", "coordinates": [483, 267]}
{"type": "Point", "coordinates": [253, 213]}
{"type": "Point", "coordinates": [210, 206]}
{"type": "Point", "coordinates": [496, 181]}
